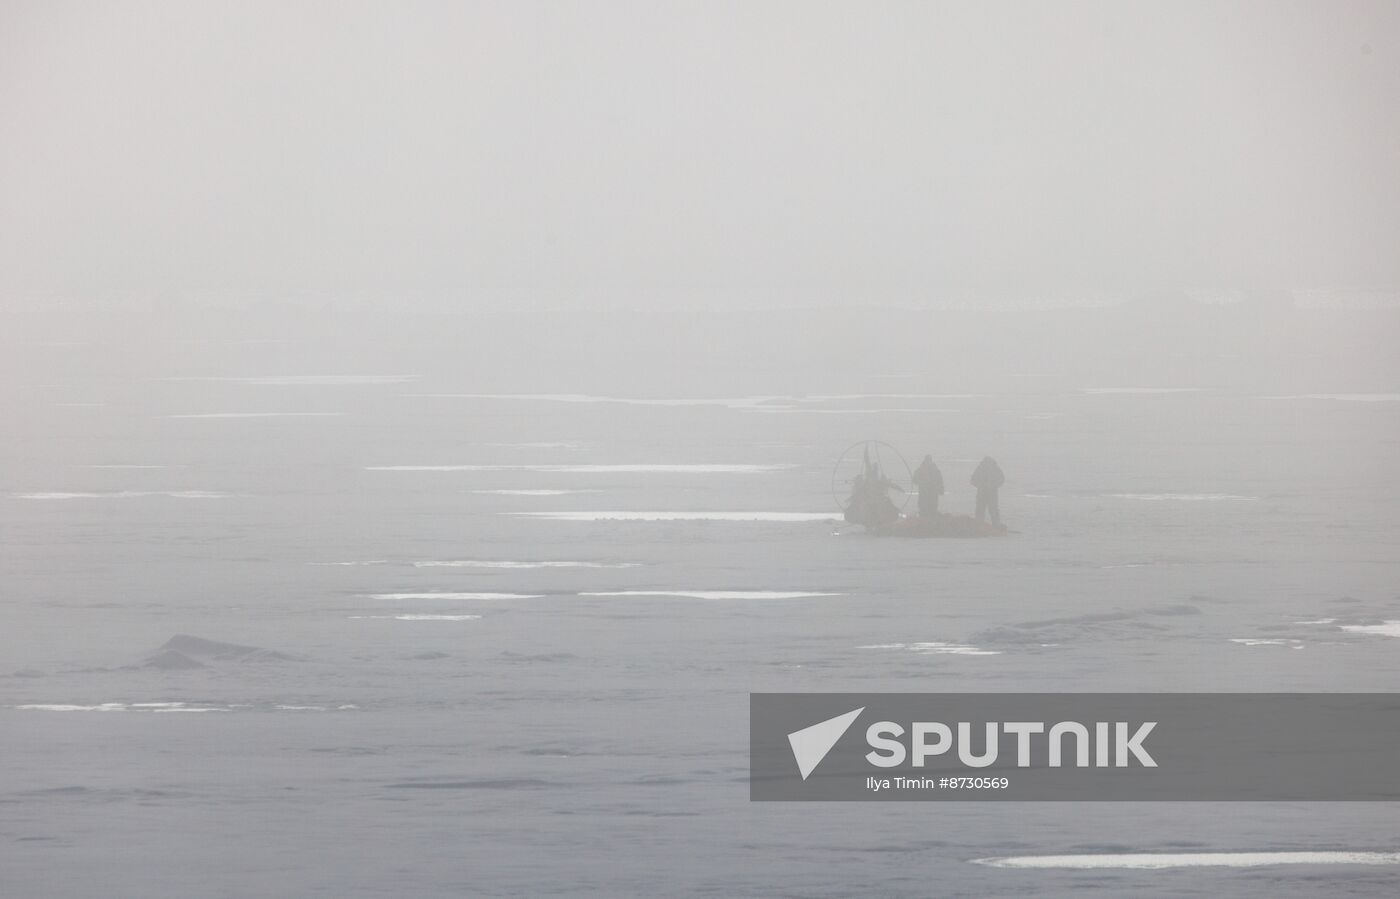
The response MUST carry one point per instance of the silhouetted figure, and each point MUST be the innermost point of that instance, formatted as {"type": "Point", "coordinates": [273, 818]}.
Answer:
{"type": "Point", "coordinates": [988, 480]}
{"type": "Point", "coordinates": [870, 504]}
{"type": "Point", "coordinates": [855, 504]}
{"type": "Point", "coordinates": [930, 483]}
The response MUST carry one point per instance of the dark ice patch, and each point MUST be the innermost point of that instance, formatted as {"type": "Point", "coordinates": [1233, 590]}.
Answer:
{"type": "Point", "coordinates": [205, 650]}
{"type": "Point", "coordinates": [513, 783]}
{"type": "Point", "coordinates": [1096, 625]}
{"type": "Point", "coordinates": [1177, 609]}
{"type": "Point", "coordinates": [172, 660]}
{"type": "Point", "coordinates": [537, 657]}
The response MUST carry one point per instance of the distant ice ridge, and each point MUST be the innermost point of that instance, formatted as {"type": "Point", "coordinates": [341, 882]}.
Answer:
{"type": "Point", "coordinates": [1185, 497]}
{"type": "Point", "coordinates": [682, 594]}
{"type": "Point", "coordinates": [458, 596]}
{"type": "Point", "coordinates": [256, 415]}
{"type": "Point", "coordinates": [680, 516]}
{"type": "Point", "coordinates": [1384, 629]}
{"type": "Point", "coordinates": [639, 468]}
{"type": "Point", "coordinates": [326, 380]}
{"type": "Point", "coordinates": [506, 564]}
{"type": "Point", "coordinates": [1343, 397]}
{"type": "Point", "coordinates": [1108, 391]}
{"type": "Point", "coordinates": [125, 466]}
{"type": "Point", "coordinates": [1346, 298]}
{"type": "Point", "coordinates": [1388, 628]}
{"type": "Point", "coordinates": [127, 494]}
{"type": "Point", "coordinates": [1152, 860]}
{"type": "Point", "coordinates": [716, 594]}
{"type": "Point", "coordinates": [761, 402]}
{"type": "Point", "coordinates": [1262, 641]}
{"type": "Point", "coordinates": [834, 397]}
{"type": "Point", "coordinates": [865, 411]}
{"type": "Point", "coordinates": [309, 380]}
{"type": "Point", "coordinates": [523, 492]}
{"type": "Point", "coordinates": [125, 707]}
{"type": "Point", "coordinates": [169, 707]}
{"type": "Point", "coordinates": [417, 617]}
{"type": "Point", "coordinates": [936, 648]}
{"type": "Point", "coordinates": [819, 404]}
{"type": "Point", "coordinates": [745, 402]}
{"type": "Point", "coordinates": [481, 563]}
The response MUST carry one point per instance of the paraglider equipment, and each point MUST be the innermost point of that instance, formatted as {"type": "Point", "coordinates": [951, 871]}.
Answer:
{"type": "Point", "coordinates": [863, 478]}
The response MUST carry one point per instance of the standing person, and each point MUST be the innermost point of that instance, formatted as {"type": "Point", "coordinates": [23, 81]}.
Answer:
{"type": "Point", "coordinates": [930, 482]}
{"type": "Point", "coordinates": [988, 480]}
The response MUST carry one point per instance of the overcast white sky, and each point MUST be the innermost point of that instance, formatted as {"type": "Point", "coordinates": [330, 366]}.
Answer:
{"type": "Point", "coordinates": [857, 148]}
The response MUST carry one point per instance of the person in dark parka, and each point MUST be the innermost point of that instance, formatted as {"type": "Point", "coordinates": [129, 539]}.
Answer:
{"type": "Point", "coordinates": [930, 483]}
{"type": "Point", "coordinates": [988, 480]}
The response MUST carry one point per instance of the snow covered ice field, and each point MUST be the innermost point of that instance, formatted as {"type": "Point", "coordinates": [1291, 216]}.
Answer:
{"type": "Point", "coordinates": [283, 619]}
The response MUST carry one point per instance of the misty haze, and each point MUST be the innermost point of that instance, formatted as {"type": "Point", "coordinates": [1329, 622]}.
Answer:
{"type": "Point", "coordinates": [427, 423]}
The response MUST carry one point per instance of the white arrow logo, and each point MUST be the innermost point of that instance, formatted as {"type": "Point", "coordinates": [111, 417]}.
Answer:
{"type": "Point", "coordinates": [811, 744]}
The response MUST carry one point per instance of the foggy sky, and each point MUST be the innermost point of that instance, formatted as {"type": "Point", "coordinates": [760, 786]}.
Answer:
{"type": "Point", "coordinates": [865, 150]}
